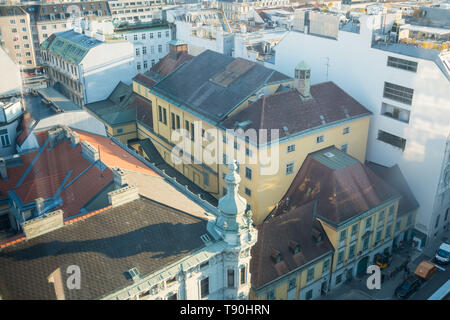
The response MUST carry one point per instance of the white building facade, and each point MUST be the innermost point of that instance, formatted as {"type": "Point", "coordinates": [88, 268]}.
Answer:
{"type": "Point", "coordinates": [408, 90]}
{"type": "Point", "coordinates": [136, 11]}
{"type": "Point", "coordinates": [90, 68]}
{"type": "Point", "coordinates": [151, 43]}
{"type": "Point", "coordinates": [10, 112]}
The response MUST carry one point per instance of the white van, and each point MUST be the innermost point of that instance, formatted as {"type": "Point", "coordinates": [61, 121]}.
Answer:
{"type": "Point", "coordinates": [443, 254]}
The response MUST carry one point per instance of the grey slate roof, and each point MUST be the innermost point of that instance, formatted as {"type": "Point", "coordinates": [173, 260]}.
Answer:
{"type": "Point", "coordinates": [395, 178]}
{"type": "Point", "coordinates": [112, 110]}
{"type": "Point", "coordinates": [142, 234]}
{"type": "Point", "coordinates": [213, 84]}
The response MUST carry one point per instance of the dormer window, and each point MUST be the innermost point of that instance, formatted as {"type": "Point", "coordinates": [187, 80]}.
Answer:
{"type": "Point", "coordinates": [294, 247]}
{"type": "Point", "coordinates": [317, 235]}
{"type": "Point", "coordinates": [276, 256]}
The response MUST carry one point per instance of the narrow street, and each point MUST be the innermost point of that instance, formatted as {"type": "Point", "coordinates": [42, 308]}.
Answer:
{"type": "Point", "coordinates": [357, 289]}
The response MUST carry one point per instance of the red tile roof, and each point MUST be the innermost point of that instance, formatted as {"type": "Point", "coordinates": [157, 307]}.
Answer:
{"type": "Point", "coordinates": [54, 169]}
{"type": "Point", "coordinates": [342, 192]}
{"type": "Point", "coordinates": [113, 155]}
{"type": "Point", "coordinates": [329, 104]}
{"type": "Point", "coordinates": [277, 235]}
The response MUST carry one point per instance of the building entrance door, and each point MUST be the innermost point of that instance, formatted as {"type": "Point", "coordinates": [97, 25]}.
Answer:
{"type": "Point", "coordinates": [362, 266]}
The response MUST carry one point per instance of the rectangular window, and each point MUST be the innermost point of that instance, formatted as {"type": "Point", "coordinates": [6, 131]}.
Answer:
{"type": "Point", "coordinates": [230, 277]}
{"type": "Point", "coordinates": [339, 279]}
{"type": "Point", "coordinates": [344, 147]}
{"type": "Point", "coordinates": [248, 173]}
{"type": "Point", "coordinates": [135, 37]}
{"type": "Point", "coordinates": [326, 266]}
{"type": "Point", "coordinates": [165, 116]}
{"type": "Point", "coordinates": [143, 36]}
{"type": "Point", "coordinates": [160, 113]}
{"type": "Point", "coordinates": [398, 93]}
{"type": "Point", "coordinates": [204, 287]}
{"type": "Point", "coordinates": [346, 130]}
{"type": "Point", "coordinates": [351, 251]}
{"type": "Point", "coordinates": [159, 48]}
{"type": "Point", "coordinates": [271, 295]}
{"type": "Point", "coordinates": [145, 64]}
{"type": "Point", "coordinates": [292, 284]}
{"type": "Point", "coordinates": [366, 244]}
{"type": "Point", "coordinates": [172, 115]}
{"type": "Point", "coordinates": [236, 145]}
{"type": "Point", "coordinates": [378, 236]}
{"type": "Point", "coordinates": [248, 152]}
{"type": "Point", "coordinates": [391, 212]}
{"type": "Point", "coordinates": [167, 34]}
{"type": "Point", "coordinates": [310, 275]}
{"type": "Point", "coordinates": [5, 138]}
{"type": "Point", "coordinates": [381, 217]}
{"type": "Point", "coordinates": [368, 223]}
{"type": "Point", "coordinates": [151, 35]}
{"type": "Point", "coordinates": [290, 148]}
{"type": "Point", "coordinates": [159, 34]}
{"type": "Point", "coordinates": [243, 275]}
{"type": "Point", "coordinates": [388, 231]}
{"type": "Point", "coordinates": [139, 66]}
{"type": "Point", "coordinates": [340, 257]}
{"type": "Point", "coordinates": [144, 50]}
{"type": "Point", "coordinates": [137, 51]}
{"type": "Point", "coordinates": [391, 139]}
{"type": "Point", "coordinates": [290, 168]}
{"type": "Point", "coordinates": [319, 139]}
{"type": "Point", "coordinates": [402, 64]}
{"type": "Point", "coordinates": [248, 192]}
{"type": "Point", "coordinates": [205, 178]}
{"type": "Point", "coordinates": [178, 122]}
{"type": "Point", "coordinates": [343, 236]}
{"type": "Point", "coordinates": [394, 112]}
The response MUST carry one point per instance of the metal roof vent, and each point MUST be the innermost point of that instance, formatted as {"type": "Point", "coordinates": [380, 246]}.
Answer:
{"type": "Point", "coordinates": [205, 238]}
{"type": "Point", "coordinates": [328, 154]}
{"type": "Point", "coordinates": [134, 273]}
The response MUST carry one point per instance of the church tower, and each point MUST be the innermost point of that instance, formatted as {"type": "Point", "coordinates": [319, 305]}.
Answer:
{"type": "Point", "coordinates": [235, 225]}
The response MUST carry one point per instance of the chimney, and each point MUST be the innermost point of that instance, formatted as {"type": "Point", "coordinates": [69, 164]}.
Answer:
{"type": "Point", "coordinates": [119, 177]}
{"type": "Point", "coordinates": [39, 206]}
{"type": "Point", "coordinates": [89, 151]}
{"type": "Point", "coordinates": [3, 170]}
{"type": "Point", "coordinates": [302, 79]}
{"type": "Point", "coordinates": [123, 195]}
{"type": "Point", "coordinates": [74, 138]}
{"type": "Point", "coordinates": [55, 136]}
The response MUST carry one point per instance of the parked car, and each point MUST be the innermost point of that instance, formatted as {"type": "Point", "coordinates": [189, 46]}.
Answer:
{"type": "Point", "coordinates": [425, 270]}
{"type": "Point", "coordinates": [408, 287]}
{"type": "Point", "coordinates": [443, 254]}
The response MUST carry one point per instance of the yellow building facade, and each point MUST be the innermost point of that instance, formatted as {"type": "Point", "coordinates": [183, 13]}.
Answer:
{"type": "Point", "coordinates": [261, 191]}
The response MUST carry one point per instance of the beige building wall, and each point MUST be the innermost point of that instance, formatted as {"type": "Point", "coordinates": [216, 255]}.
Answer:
{"type": "Point", "coordinates": [17, 38]}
